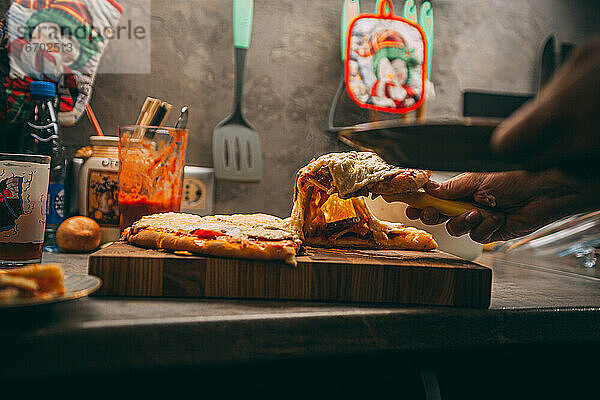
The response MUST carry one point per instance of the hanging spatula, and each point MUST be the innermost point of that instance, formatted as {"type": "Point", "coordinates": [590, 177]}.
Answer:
{"type": "Point", "coordinates": [236, 146]}
{"type": "Point", "coordinates": [350, 9]}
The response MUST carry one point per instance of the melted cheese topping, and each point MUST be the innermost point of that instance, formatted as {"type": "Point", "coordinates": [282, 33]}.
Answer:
{"type": "Point", "coordinates": [235, 226]}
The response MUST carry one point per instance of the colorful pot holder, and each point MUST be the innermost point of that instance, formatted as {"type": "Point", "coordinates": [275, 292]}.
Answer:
{"type": "Point", "coordinates": [386, 59]}
{"type": "Point", "coordinates": [59, 41]}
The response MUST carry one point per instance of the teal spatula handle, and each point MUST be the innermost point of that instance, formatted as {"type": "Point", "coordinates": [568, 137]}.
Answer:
{"type": "Point", "coordinates": [410, 11]}
{"type": "Point", "coordinates": [344, 29]}
{"type": "Point", "coordinates": [426, 22]}
{"type": "Point", "coordinates": [350, 9]}
{"type": "Point", "coordinates": [242, 23]}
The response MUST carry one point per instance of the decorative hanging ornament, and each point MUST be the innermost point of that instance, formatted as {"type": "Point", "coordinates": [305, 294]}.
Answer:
{"type": "Point", "coordinates": [386, 61]}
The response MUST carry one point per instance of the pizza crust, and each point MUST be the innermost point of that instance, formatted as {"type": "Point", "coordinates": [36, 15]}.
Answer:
{"type": "Point", "coordinates": [417, 242]}
{"type": "Point", "coordinates": [408, 181]}
{"type": "Point", "coordinates": [262, 250]}
{"type": "Point", "coordinates": [353, 172]}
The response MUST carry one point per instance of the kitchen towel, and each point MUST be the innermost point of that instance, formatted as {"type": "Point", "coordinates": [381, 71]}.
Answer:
{"type": "Point", "coordinates": [59, 41]}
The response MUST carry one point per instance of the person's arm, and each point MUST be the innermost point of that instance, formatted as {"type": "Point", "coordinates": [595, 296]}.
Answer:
{"type": "Point", "coordinates": [521, 202]}
{"type": "Point", "coordinates": [559, 128]}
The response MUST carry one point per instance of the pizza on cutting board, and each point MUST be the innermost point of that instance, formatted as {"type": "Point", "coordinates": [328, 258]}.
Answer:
{"type": "Point", "coordinates": [252, 236]}
{"type": "Point", "coordinates": [328, 211]}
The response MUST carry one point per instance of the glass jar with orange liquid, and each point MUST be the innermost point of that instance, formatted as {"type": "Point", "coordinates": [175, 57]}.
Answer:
{"type": "Point", "coordinates": [151, 163]}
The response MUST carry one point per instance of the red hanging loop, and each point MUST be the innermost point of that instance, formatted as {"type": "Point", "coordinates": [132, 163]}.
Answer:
{"type": "Point", "coordinates": [382, 8]}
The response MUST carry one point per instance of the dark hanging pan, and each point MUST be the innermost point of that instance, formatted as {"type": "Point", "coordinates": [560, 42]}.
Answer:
{"type": "Point", "coordinates": [449, 145]}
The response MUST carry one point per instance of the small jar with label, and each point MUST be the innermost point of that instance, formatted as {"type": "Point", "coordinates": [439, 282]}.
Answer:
{"type": "Point", "coordinates": [98, 186]}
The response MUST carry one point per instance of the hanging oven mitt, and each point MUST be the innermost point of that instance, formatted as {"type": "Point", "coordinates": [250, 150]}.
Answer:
{"type": "Point", "coordinates": [59, 41]}
{"type": "Point", "coordinates": [386, 59]}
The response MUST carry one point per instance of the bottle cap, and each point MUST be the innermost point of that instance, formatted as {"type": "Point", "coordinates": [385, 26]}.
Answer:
{"type": "Point", "coordinates": [41, 89]}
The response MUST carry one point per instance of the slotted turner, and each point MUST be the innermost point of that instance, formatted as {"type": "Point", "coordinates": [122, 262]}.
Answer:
{"type": "Point", "coordinates": [236, 146]}
{"type": "Point", "coordinates": [350, 9]}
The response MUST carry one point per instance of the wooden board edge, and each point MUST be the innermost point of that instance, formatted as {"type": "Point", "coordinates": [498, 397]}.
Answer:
{"type": "Point", "coordinates": [118, 274]}
{"type": "Point", "coordinates": [143, 278]}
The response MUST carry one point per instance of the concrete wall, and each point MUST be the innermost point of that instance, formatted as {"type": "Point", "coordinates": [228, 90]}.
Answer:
{"type": "Point", "coordinates": [293, 67]}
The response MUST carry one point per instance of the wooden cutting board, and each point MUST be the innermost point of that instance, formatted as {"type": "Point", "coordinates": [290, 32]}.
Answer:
{"type": "Point", "coordinates": [383, 276]}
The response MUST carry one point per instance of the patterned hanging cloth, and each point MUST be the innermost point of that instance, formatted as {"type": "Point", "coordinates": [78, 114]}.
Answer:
{"type": "Point", "coordinates": [386, 58]}
{"type": "Point", "coordinates": [58, 41]}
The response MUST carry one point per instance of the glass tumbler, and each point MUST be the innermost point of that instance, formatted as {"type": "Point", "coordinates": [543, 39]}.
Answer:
{"type": "Point", "coordinates": [23, 195]}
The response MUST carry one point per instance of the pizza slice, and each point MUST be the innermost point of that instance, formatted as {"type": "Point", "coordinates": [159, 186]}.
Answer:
{"type": "Point", "coordinates": [251, 236]}
{"type": "Point", "coordinates": [32, 281]}
{"type": "Point", "coordinates": [329, 211]}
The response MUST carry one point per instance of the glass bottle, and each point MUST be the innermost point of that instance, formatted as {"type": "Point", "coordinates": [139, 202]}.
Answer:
{"type": "Point", "coordinates": [41, 135]}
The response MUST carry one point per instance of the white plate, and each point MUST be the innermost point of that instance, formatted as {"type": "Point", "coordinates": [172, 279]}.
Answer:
{"type": "Point", "coordinates": [77, 286]}
{"type": "Point", "coordinates": [462, 246]}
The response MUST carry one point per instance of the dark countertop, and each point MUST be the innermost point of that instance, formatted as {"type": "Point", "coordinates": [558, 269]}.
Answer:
{"type": "Point", "coordinates": [531, 306]}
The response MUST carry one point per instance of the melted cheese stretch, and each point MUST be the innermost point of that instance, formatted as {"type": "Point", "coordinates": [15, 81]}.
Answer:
{"type": "Point", "coordinates": [335, 209]}
{"type": "Point", "coordinates": [366, 226]}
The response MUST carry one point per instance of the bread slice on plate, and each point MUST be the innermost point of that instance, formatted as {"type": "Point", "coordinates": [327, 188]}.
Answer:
{"type": "Point", "coordinates": [32, 281]}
